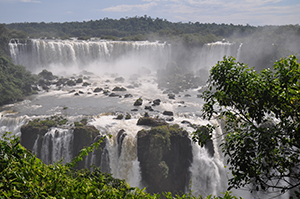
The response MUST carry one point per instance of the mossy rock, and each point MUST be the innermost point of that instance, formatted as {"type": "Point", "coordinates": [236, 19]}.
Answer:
{"type": "Point", "coordinates": [165, 156]}
{"type": "Point", "coordinates": [46, 75]}
{"type": "Point", "coordinates": [138, 102]}
{"type": "Point", "coordinates": [71, 82]}
{"type": "Point", "coordinates": [79, 80]}
{"type": "Point", "coordinates": [149, 121]}
{"type": "Point", "coordinates": [32, 129]}
{"type": "Point", "coordinates": [86, 84]}
{"type": "Point", "coordinates": [117, 88]}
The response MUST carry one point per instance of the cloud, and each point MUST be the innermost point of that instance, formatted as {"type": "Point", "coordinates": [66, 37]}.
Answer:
{"type": "Point", "coordinates": [254, 12]}
{"type": "Point", "coordinates": [125, 8]}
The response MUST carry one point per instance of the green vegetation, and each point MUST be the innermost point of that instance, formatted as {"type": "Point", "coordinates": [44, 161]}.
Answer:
{"type": "Point", "coordinates": [15, 81]}
{"type": "Point", "coordinates": [25, 176]}
{"type": "Point", "coordinates": [261, 113]}
{"type": "Point", "coordinates": [135, 28]}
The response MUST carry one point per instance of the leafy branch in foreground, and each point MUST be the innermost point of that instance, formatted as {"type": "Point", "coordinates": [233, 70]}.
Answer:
{"type": "Point", "coordinates": [262, 123]}
{"type": "Point", "coordinates": [22, 175]}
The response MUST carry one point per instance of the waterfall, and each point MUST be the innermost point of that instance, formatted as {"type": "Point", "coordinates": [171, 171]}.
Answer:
{"type": "Point", "coordinates": [36, 54]}
{"type": "Point", "coordinates": [121, 152]}
{"type": "Point", "coordinates": [238, 56]}
{"type": "Point", "coordinates": [11, 123]}
{"type": "Point", "coordinates": [211, 53]}
{"type": "Point", "coordinates": [56, 145]}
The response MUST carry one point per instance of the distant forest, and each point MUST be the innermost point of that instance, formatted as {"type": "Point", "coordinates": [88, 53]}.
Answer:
{"type": "Point", "coordinates": [147, 28]}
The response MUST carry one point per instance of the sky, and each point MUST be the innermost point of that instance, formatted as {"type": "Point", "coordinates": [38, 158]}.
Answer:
{"type": "Point", "coordinates": [252, 12]}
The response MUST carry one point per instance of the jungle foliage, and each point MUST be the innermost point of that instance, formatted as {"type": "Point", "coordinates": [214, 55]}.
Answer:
{"type": "Point", "coordinates": [15, 81]}
{"type": "Point", "coordinates": [25, 176]}
{"type": "Point", "coordinates": [262, 122]}
{"type": "Point", "coordinates": [134, 28]}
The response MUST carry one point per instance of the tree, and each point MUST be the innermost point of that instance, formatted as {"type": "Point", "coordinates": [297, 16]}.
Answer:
{"type": "Point", "coordinates": [262, 122]}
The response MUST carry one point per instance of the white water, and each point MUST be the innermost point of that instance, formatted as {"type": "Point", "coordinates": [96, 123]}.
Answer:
{"type": "Point", "coordinates": [101, 55]}
{"type": "Point", "coordinates": [208, 173]}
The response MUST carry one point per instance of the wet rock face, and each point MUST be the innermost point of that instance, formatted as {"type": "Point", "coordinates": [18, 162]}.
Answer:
{"type": "Point", "coordinates": [165, 155]}
{"type": "Point", "coordinates": [83, 135]}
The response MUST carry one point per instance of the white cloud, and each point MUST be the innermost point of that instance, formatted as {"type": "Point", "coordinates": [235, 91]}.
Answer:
{"type": "Point", "coordinates": [254, 12]}
{"type": "Point", "coordinates": [125, 8]}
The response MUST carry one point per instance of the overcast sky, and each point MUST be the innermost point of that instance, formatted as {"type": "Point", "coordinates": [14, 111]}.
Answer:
{"type": "Point", "coordinates": [253, 12]}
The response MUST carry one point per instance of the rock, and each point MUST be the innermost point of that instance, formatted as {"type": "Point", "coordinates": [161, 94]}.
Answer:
{"type": "Point", "coordinates": [156, 102]}
{"type": "Point", "coordinates": [114, 95]}
{"type": "Point", "coordinates": [76, 94]}
{"type": "Point", "coordinates": [149, 108]}
{"type": "Point", "coordinates": [165, 156]}
{"type": "Point", "coordinates": [72, 91]}
{"type": "Point", "coordinates": [127, 95]}
{"type": "Point", "coordinates": [171, 96]}
{"type": "Point", "coordinates": [119, 117]}
{"type": "Point", "coordinates": [149, 121]}
{"type": "Point", "coordinates": [106, 92]}
{"type": "Point", "coordinates": [44, 87]}
{"type": "Point", "coordinates": [42, 82]}
{"type": "Point", "coordinates": [79, 80]}
{"type": "Point", "coordinates": [138, 102]}
{"type": "Point", "coordinates": [135, 109]}
{"type": "Point", "coordinates": [80, 92]}
{"type": "Point", "coordinates": [128, 116]}
{"type": "Point", "coordinates": [83, 136]}
{"type": "Point", "coordinates": [71, 83]}
{"type": "Point", "coordinates": [187, 95]}
{"type": "Point", "coordinates": [119, 79]}
{"type": "Point", "coordinates": [61, 81]}
{"type": "Point", "coordinates": [169, 113]}
{"type": "Point", "coordinates": [119, 89]}
{"type": "Point", "coordinates": [120, 137]}
{"type": "Point", "coordinates": [187, 123]}
{"type": "Point", "coordinates": [86, 84]}
{"type": "Point", "coordinates": [97, 90]}
{"type": "Point", "coordinates": [46, 75]}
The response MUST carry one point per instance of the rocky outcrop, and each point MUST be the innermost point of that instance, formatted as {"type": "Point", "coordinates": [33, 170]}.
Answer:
{"type": "Point", "coordinates": [149, 121]}
{"type": "Point", "coordinates": [165, 155]}
{"type": "Point", "coordinates": [83, 135]}
{"type": "Point", "coordinates": [169, 113]}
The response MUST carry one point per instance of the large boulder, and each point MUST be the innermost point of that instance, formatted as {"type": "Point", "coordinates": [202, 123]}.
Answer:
{"type": "Point", "coordinates": [165, 155]}
{"type": "Point", "coordinates": [149, 121]}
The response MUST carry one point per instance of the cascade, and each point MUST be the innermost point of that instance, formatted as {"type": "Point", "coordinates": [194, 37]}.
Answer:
{"type": "Point", "coordinates": [211, 53]}
{"type": "Point", "coordinates": [56, 145]}
{"type": "Point", "coordinates": [38, 53]}
{"type": "Point", "coordinates": [11, 123]}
